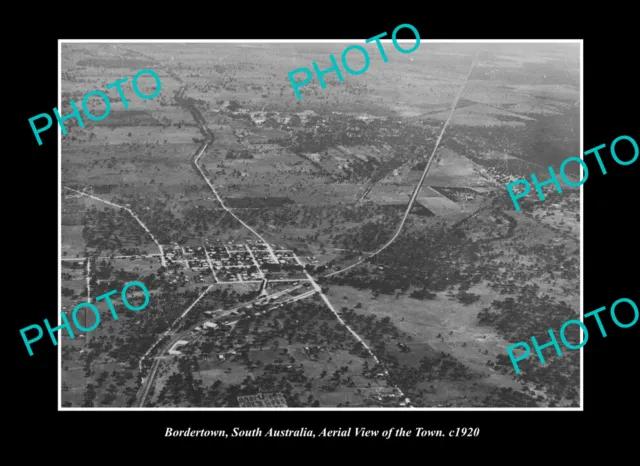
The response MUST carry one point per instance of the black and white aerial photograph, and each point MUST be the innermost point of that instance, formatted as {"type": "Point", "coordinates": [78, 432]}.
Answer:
{"type": "Point", "coordinates": [355, 248]}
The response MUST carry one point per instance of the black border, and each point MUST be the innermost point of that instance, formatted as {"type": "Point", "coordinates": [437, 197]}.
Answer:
{"type": "Point", "coordinates": [610, 238]}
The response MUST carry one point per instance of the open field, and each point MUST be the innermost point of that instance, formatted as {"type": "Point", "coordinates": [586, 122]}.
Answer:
{"type": "Point", "coordinates": [226, 166]}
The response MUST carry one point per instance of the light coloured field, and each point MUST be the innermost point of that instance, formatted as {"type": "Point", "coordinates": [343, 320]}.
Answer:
{"type": "Point", "coordinates": [72, 242]}
{"type": "Point", "coordinates": [148, 159]}
{"type": "Point", "coordinates": [424, 320]}
{"type": "Point", "coordinates": [74, 381]}
{"type": "Point", "coordinates": [384, 194]}
{"type": "Point", "coordinates": [489, 93]}
{"type": "Point", "coordinates": [439, 206]}
{"type": "Point", "coordinates": [453, 170]}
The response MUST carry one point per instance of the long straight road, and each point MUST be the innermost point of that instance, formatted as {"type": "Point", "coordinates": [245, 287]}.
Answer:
{"type": "Point", "coordinates": [270, 249]}
{"type": "Point", "coordinates": [224, 206]}
{"type": "Point", "coordinates": [416, 191]}
{"type": "Point", "coordinates": [162, 259]}
{"type": "Point", "coordinates": [201, 122]}
{"type": "Point", "coordinates": [138, 256]}
{"type": "Point", "coordinates": [318, 288]}
{"type": "Point", "coordinates": [147, 382]}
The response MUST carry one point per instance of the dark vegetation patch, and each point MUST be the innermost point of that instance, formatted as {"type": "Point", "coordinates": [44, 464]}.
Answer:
{"type": "Point", "coordinates": [422, 263]}
{"type": "Point", "coordinates": [509, 118]}
{"type": "Point", "coordinates": [128, 117]}
{"type": "Point", "coordinates": [72, 218]}
{"type": "Point", "coordinates": [546, 141]}
{"type": "Point", "coordinates": [257, 202]}
{"type": "Point", "coordinates": [104, 188]}
{"type": "Point", "coordinates": [530, 74]}
{"type": "Point", "coordinates": [455, 194]}
{"type": "Point", "coordinates": [276, 348]}
{"type": "Point", "coordinates": [410, 365]}
{"type": "Point", "coordinates": [238, 154]}
{"type": "Point", "coordinates": [134, 63]}
{"type": "Point", "coordinates": [465, 103]}
{"type": "Point", "coordinates": [112, 229]}
{"type": "Point", "coordinates": [417, 209]}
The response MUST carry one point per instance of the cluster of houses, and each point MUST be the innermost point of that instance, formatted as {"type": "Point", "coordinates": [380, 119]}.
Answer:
{"type": "Point", "coordinates": [236, 262]}
{"type": "Point", "coordinates": [227, 262]}
{"type": "Point", "coordinates": [286, 258]}
{"type": "Point", "coordinates": [175, 257]}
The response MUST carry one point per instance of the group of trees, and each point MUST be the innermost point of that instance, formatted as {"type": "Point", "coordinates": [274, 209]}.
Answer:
{"type": "Point", "coordinates": [544, 140]}
{"type": "Point", "coordinates": [181, 387]}
{"type": "Point", "coordinates": [455, 258]}
{"type": "Point", "coordinates": [308, 322]}
{"type": "Point", "coordinates": [389, 343]}
{"type": "Point", "coordinates": [136, 331]}
{"type": "Point", "coordinates": [332, 130]}
{"type": "Point", "coordinates": [112, 230]}
{"type": "Point", "coordinates": [238, 154]}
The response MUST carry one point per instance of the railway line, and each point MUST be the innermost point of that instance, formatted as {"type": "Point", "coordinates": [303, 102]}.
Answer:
{"type": "Point", "coordinates": [416, 190]}
{"type": "Point", "coordinates": [209, 137]}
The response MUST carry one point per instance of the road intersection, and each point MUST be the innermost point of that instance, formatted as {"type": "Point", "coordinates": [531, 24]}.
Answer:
{"type": "Point", "coordinates": [147, 382]}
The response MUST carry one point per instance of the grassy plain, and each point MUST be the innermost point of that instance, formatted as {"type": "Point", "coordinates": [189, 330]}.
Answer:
{"type": "Point", "coordinates": [328, 176]}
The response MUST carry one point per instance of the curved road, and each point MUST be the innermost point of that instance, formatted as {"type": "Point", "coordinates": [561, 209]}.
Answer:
{"type": "Point", "coordinates": [209, 138]}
